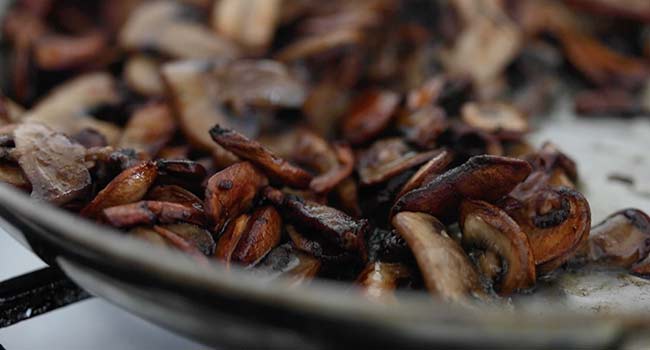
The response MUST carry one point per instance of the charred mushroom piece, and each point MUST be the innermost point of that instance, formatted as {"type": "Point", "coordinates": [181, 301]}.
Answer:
{"type": "Point", "coordinates": [149, 129]}
{"type": "Point", "coordinates": [482, 177]}
{"type": "Point", "coordinates": [53, 164]}
{"type": "Point", "coordinates": [320, 248]}
{"type": "Point", "coordinates": [428, 172]}
{"type": "Point", "coordinates": [379, 280]}
{"type": "Point", "coordinates": [623, 239]}
{"type": "Point", "coordinates": [487, 227]}
{"type": "Point", "coordinates": [387, 158]}
{"type": "Point", "coordinates": [287, 262]}
{"type": "Point", "coordinates": [423, 126]}
{"type": "Point", "coordinates": [152, 213]}
{"type": "Point", "coordinates": [263, 233]}
{"type": "Point", "coordinates": [446, 270]}
{"type": "Point", "coordinates": [161, 26]}
{"type": "Point", "coordinates": [556, 221]}
{"type": "Point", "coordinates": [232, 19]}
{"type": "Point", "coordinates": [142, 75]}
{"type": "Point", "coordinates": [494, 117]}
{"type": "Point", "coordinates": [333, 177]}
{"type": "Point", "coordinates": [128, 187]}
{"type": "Point", "coordinates": [369, 115]}
{"type": "Point", "coordinates": [275, 167]}
{"type": "Point", "coordinates": [67, 107]}
{"type": "Point", "coordinates": [231, 192]}
{"type": "Point", "coordinates": [57, 52]}
{"type": "Point", "coordinates": [186, 173]}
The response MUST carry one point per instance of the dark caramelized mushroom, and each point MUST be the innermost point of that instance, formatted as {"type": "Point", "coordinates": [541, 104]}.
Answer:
{"type": "Point", "coordinates": [128, 187]}
{"type": "Point", "coordinates": [333, 177]}
{"type": "Point", "coordinates": [177, 241]}
{"type": "Point", "coordinates": [319, 247]}
{"type": "Point", "coordinates": [259, 155]}
{"type": "Point", "coordinates": [379, 280]}
{"type": "Point", "coordinates": [197, 236]}
{"type": "Point", "coordinates": [231, 192]}
{"type": "Point", "coordinates": [263, 232]}
{"type": "Point", "coordinates": [53, 164]}
{"type": "Point", "coordinates": [423, 126]}
{"type": "Point", "coordinates": [446, 270]}
{"type": "Point", "coordinates": [152, 213]}
{"type": "Point", "coordinates": [149, 129]}
{"type": "Point", "coordinates": [369, 115]}
{"type": "Point", "coordinates": [482, 177]}
{"type": "Point", "coordinates": [556, 222]}
{"type": "Point", "coordinates": [229, 240]}
{"type": "Point", "coordinates": [487, 227]}
{"type": "Point", "coordinates": [287, 262]}
{"type": "Point", "coordinates": [623, 239]}
{"type": "Point", "coordinates": [174, 194]}
{"type": "Point", "coordinates": [428, 172]}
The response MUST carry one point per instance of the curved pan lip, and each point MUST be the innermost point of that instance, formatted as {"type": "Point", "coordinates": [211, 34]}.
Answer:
{"type": "Point", "coordinates": [417, 315]}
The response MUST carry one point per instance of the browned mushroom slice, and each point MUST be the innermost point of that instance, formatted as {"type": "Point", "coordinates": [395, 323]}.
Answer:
{"type": "Point", "coordinates": [319, 248]}
{"type": "Point", "coordinates": [607, 101]}
{"type": "Point", "coordinates": [329, 180]}
{"type": "Point", "coordinates": [56, 51]}
{"type": "Point", "coordinates": [425, 95]}
{"type": "Point", "coordinates": [255, 152]}
{"type": "Point", "coordinates": [482, 177]}
{"type": "Point", "coordinates": [149, 235]}
{"type": "Point", "coordinates": [287, 262]}
{"type": "Point", "coordinates": [387, 158]}
{"type": "Point", "coordinates": [263, 233]}
{"type": "Point", "coordinates": [379, 279]}
{"type": "Point", "coordinates": [186, 173]}
{"type": "Point", "coordinates": [231, 192]}
{"type": "Point", "coordinates": [556, 221]}
{"type": "Point", "coordinates": [151, 213]}
{"type": "Point", "coordinates": [232, 19]}
{"type": "Point", "coordinates": [330, 223]}
{"type": "Point", "coordinates": [197, 236]}
{"type": "Point", "coordinates": [193, 90]}
{"type": "Point", "coordinates": [446, 270]}
{"type": "Point", "coordinates": [149, 129]}
{"type": "Point", "coordinates": [486, 227]}
{"type": "Point", "coordinates": [66, 108]}
{"type": "Point", "coordinates": [423, 126]}
{"type": "Point", "coordinates": [369, 115]}
{"type": "Point", "coordinates": [229, 240]}
{"type": "Point", "coordinates": [52, 163]}
{"type": "Point", "coordinates": [494, 117]}
{"type": "Point", "coordinates": [623, 239]}
{"type": "Point", "coordinates": [177, 241]}
{"type": "Point", "coordinates": [318, 44]}
{"type": "Point", "coordinates": [142, 75]}
{"type": "Point", "coordinates": [161, 26]}
{"type": "Point", "coordinates": [128, 187]}
{"type": "Point", "coordinates": [325, 105]}
{"type": "Point", "coordinates": [638, 10]}
{"type": "Point", "coordinates": [347, 193]}
{"type": "Point", "coordinates": [174, 194]}
{"type": "Point", "coordinates": [13, 175]}
{"type": "Point", "coordinates": [642, 268]}
{"type": "Point", "coordinates": [428, 172]}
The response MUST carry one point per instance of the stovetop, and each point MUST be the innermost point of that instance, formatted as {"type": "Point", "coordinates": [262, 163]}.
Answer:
{"type": "Point", "coordinates": [89, 324]}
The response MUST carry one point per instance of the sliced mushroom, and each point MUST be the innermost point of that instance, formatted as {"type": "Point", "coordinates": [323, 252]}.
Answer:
{"type": "Point", "coordinates": [174, 194]}
{"type": "Point", "coordinates": [57, 52]}
{"type": "Point", "coordinates": [232, 19]}
{"type": "Point", "coordinates": [642, 268]}
{"type": "Point", "coordinates": [128, 187]}
{"type": "Point", "coordinates": [333, 177]}
{"type": "Point", "coordinates": [379, 280]}
{"type": "Point", "coordinates": [556, 221]}
{"type": "Point", "coordinates": [177, 241]}
{"type": "Point", "coordinates": [13, 175]}
{"type": "Point", "coordinates": [423, 126]}
{"type": "Point", "coordinates": [142, 75]}
{"type": "Point", "coordinates": [388, 246]}
{"type": "Point", "coordinates": [53, 164]}
{"type": "Point", "coordinates": [369, 115]}
{"type": "Point", "coordinates": [229, 240]}
{"type": "Point", "coordinates": [66, 108]}
{"type": "Point", "coordinates": [387, 158]}
{"type": "Point", "coordinates": [446, 270]}
{"type": "Point", "coordinates": [197, 236]}
{"type": "Point", "coordinates": [608, 101]}
{"type": "Point", "coordinates": [149, 129]}
{"type": "Point", "coordinates": [231, 192]}
{"type": "Point", "coordinates": [263, 233]}
{"type": "Point", "coordinates": [255, 152]}
{"type": "Point", "coordinates": [638, 10]}
{"type": "Point", "coordinates": [425, 95]}
{"type": "Point", "coordinates": [10, 112]}
{"type": "Point", "coordinates": [314, 45]}
{"type": "Point", "coordinates": [287, 262]}
{"type": "Point", "coordinates": [152, 213]}
{"type": "Point", "coordinates": [161, 26]}
{"type": "Point", "coordinates": [428, 172]}
{"type": "Point", "coordinates": [320, 248]}
{"type": "Point", "coordinates": [186, 173]}
{"type": "Point", "coordinates": [487, 227]}
{"type": "Point", "coordinates": [494, 117]}
{"type": "Point", "coordinates": [482, 177]}
{"type": "Point", "coordinates": [623, 239]}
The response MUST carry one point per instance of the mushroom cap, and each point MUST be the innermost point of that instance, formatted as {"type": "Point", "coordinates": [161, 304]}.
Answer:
{"type": "Point", "coordinates": [482, 177]}
{"type": "Point", "coordinates": [487, 227]}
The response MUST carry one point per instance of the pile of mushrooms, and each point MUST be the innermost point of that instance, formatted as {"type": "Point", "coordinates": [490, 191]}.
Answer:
{"type": "Point", "coordinates": [379, 142]}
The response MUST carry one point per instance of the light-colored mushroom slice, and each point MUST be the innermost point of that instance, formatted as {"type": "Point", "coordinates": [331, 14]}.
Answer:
{"type": "Point", "coordinates": [53, 164]}
{"type": "Point", "coordinates": [194, 92]}
{"type": "Point", "coordinates": [197, 236]}
{"type": "Point", "coordinates": [13, 175]}
{"type": "Point", "coordinates": [231, 192]}
{"type": "Point", "coordinates": [494, 117]}
{"type": "Point", "coordinates": [161, 26]}
{"type": "Point", "coordinates": [369, 114]}
{"type": "Point", "coordinates": [57, 51]}
{"type": "Point", "coordinates": [446, 269]}
{"type": "Point", "coordinates": [263, 233]}
{"type": "Point", "coordinates": [379, 280]}
{"type": "Point", "coordinates": [486, 227]}
{"type": "Point", "coordinates": [623, 239]}
{"type": "Point", "coordinates": [232, 19]}
{"type": "Point", "coordinates": [482, 177]}
{"type": "Point", "coordinates": [428, 172]}
{"type": "Point", "coordinates": [317, 44]}
{"type": "Point", "coordinates": [142, 75]}
{"type": "Point", "coordinates": [128, 187]}
{"type": "Point", "coordinates": [149, 129]}
{"type": "Point", "coordinates": [556, 221]}
{"type": "Point", "coordinates": [287, 262]}
{"type": "Point", "coordinates": [66, 108]}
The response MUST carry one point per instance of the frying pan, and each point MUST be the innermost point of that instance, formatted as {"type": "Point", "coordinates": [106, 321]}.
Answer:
{"type": "Point", "coordinates": [232, 308]}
